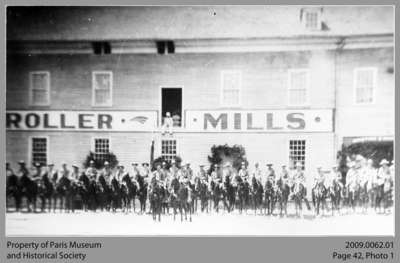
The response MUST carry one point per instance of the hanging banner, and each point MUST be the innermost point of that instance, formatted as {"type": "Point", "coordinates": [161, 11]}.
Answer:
{"type": "Point", "coordinates": [82, 120]}
{"type": "Point", "coordinates": [260, 121]}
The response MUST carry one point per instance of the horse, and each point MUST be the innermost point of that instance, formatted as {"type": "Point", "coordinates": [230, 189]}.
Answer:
{"type": "Point", "coordinates": [228, 192]}
{"type": "Point", "coordinates": [116, 194]}
{"type": "Point", "coordinates": [45, 192]}
{"type": "Point", "coordinates": [353, 194]}
{"type": "Point", "coordinates": [363, 196]}
{"type": "Point", "coordinates": [387, 194]}
{"type": "Point", "coordinates": [240, 197]}
{"type": "Point", "coordinates": [269, 194]}
{"type": "Point", "coordinates": [299, 193]}
{"type": "Point", "coordinates": [257, 192]}
{"type": "Point", "coordinates": [282, 195]}
{"type": "Point", "coordinates": [184, 197]}
{"type": "Point", "coordinates": [335, 194]}
{"type": "Point", "coordinates": [319, 197]}
{"type": "Point", "coordinates": [61, 193]}
{"type": "Point", "coordinates": [142, 192]}
{"type": "Point", "coordinates": [13, 190]}
{"type": "Point", "coordinates": [203, 194]}
{"type": "Point", "coordinates": [29, 189]}
{"type": "Point", "coordinates": [155, 198]}
{"type": "Point", "coordinates": [104, 193]}
{"type": "Point", "coordinates": [83, 190]}
{"type": "Point", "coordinates": [132, 191]}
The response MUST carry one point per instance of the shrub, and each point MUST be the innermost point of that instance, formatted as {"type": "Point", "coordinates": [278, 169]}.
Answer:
{"type": "Point", "coordinates": [222, 154]}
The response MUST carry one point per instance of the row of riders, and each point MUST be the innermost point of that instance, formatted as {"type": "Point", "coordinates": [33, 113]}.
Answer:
{"type": "Point", "coordinates": [181, 190]}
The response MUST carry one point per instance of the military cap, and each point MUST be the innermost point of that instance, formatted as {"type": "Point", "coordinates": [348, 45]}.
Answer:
{"type": "Point", "coordinates": [384, 161]}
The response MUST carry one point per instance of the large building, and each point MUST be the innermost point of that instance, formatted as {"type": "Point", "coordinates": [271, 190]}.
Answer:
{"type": "Point", "coordinates": [289, 83]}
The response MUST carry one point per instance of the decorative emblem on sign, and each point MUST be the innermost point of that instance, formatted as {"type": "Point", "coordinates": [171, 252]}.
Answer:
{"type": "Point", "coordinates": [140, 119]}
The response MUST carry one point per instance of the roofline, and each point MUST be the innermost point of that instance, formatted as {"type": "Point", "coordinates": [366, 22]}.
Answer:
{"type": "Point", "coordinates": [206, 45]}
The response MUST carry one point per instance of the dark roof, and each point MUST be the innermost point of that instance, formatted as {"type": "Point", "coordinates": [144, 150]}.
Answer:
{"type": "Point", "coordinates": [189, 22]}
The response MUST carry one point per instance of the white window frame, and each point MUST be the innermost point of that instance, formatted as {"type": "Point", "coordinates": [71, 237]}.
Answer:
{"type": "Point", "coordinates": [30, 148]}
{"type": "Point", "coordinates": [94, 73]}
{"type": "Point", "coordinates": [304, 18]}
{"type": "Point", "coordinates": [355, 83]}
{"type": "Point", "coordinates": [288, 150]}
{"type": "Point", "coordinates": [165, 139]}
{"type": "Point", "coordinates": [222, 74]}
{"type": "Point", "coordinates": [93, 144]}
{"type": "Point", "coordinates": [307, 89]}
{"type": "Point", "coordinates": [31, 102]}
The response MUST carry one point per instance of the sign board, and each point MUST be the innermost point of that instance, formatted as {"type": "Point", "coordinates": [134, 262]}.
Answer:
{"type": "Point", "coordinates": [260, 121]}
{"type": "Point", "coordinates": [82, 120]}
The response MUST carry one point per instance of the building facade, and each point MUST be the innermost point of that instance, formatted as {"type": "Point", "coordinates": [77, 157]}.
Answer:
{"type": "Point", "coordinates": [289, 84]}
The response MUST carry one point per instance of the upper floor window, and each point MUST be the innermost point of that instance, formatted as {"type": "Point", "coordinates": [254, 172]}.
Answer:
{"type": "Point", "coordinates": [39, 150]}
{"type": "Point", "coordinates": [311, 18]}
{"type": "Point", "coordinates": [364, 85]}
{"type": "Point", "coordinates": [299, 81]}
{"type": "Point", "coordinates": [39, 88]}
{"type": "Point", "coordinates": [102, 87]}
{"type": "Point", "coordinates": [231, 82]}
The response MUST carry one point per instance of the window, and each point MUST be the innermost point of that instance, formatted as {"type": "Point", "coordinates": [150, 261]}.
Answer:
{"type": "Point", "coordinates": [298, 87]}
{"type": "Point", "coordinates": [39, 90]}
{"type": "Point", "coordinates": [311, 18]}
{"type": "Point", "coordinates": [297, 152]}
{"type": "Point", "coordinates": [39, 146]}
{"type": "Point", "coordinates": [231, 88]}
{"type": "Point", "coordinates": [101, 148]}
{"type": "Point", "coordinates": [168, 149]}
{"type": "Point", "coordinates": [102, 88]}
{"type": "Point", "coordinates": [364, 82]}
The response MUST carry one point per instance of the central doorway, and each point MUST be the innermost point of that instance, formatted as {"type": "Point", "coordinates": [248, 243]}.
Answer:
{"type": "Point", "coordinates": [171, 101]}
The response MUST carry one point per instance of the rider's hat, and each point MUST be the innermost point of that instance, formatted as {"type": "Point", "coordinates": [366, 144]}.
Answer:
{"type": "Point", "coordinates": [370, 161]}
{"type": "Point", "coordinates": [283, 165]}
{"type": "Point", "coordinates": [269, 164]}
{"type": "Point", "coordinates": [21, 162]}
{"type": "Point", "coordinates": [351, 164]}
{"type": "Point", "coordinates": [120, 166]}
{"type": "Point", "coordinates": [164, 163]}
{"type": "Point", "coordinates": [145, 164]}
{"type": "Point", "coordinates": [91, 162]}
{"type": "Point", "coordinates": [36, 164]}
{"type": "Point", "coordinates": [50, 164]}
{"type": "Point", "coordinates": [335, 166]}
{"type": "Point", "coordinates": [384, 161]}
{"type": "Point", "coordinates": [201, 165]}
{"type": "Point", "coordinates": [298, 164]}
{"type": "Point", "coordinates": [216, 165]}
{"type": "Point", "coordinates": [106, 163]}
{"type": "Point", "coordinates": [75, 165]}
{"type": "Point", "coordinates": [134, 164]}
{"type": "Point", "coordinates": [173, 161]}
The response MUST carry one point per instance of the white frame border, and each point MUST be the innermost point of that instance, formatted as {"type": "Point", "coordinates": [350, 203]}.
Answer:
{"type": "Point", "coordinates": [289, 87]}
{"type": "Point", "coordinates": [374, 75]}
{"type": "Point", "coordinates": [221, 100]}
{"type": "Point", "coordinates": [111, 87]}
{"type": "Point", "coordinates": [31, 102]}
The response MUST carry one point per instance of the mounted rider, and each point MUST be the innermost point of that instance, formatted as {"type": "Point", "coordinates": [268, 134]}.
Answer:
{"type": "Point", "coordinates": [91, 171]}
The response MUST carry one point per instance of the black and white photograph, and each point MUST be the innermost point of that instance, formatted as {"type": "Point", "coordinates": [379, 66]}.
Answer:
{"type": "Point", "coordinates": [228, 120]}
